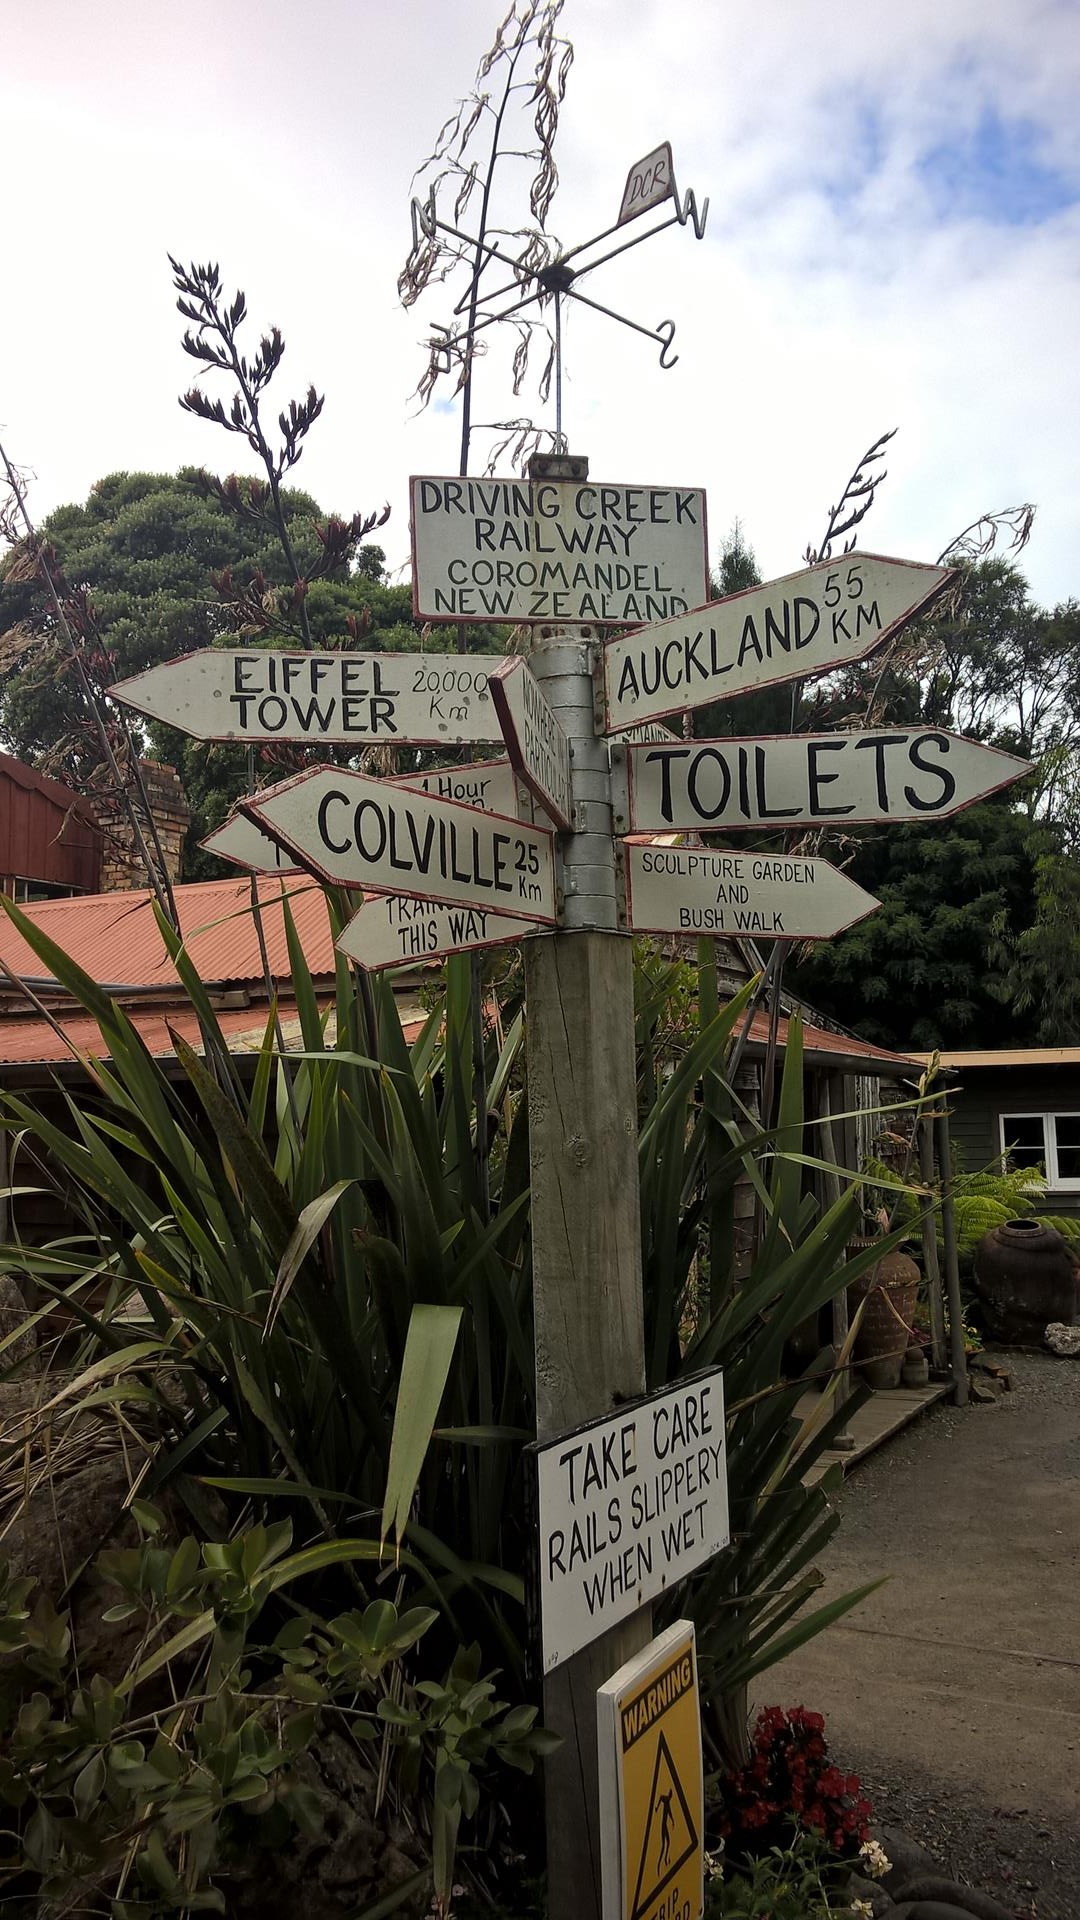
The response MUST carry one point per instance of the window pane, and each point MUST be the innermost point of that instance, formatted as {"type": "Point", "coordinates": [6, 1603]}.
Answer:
{"type": "Point", "coordinates": [1025, 1143]}
{"type": "Point", "coordinates": [1067, 1132]}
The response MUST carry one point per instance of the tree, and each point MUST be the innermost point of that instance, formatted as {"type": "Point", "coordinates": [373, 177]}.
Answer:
{"type": "Point", "coordinates": [148, 549]}
{"type": "Point", "coordinates": [920, 972]}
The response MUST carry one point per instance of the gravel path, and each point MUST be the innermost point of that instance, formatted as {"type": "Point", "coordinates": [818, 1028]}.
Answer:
{"type": "Point", "coordinates": [955, 1690]}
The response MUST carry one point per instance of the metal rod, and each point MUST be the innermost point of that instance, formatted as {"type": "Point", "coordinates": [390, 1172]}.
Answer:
{"type": "Point", "coordinates": [558, 371]}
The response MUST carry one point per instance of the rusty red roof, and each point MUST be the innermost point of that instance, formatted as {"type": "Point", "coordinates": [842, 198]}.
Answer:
{"type": "Point", "coordinates": [27, 1040]}
{"type": "Point", "coordinates": [116, 939]}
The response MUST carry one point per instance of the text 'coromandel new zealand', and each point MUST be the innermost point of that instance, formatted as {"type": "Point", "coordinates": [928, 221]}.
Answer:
{"type": "Point", "coordinates": [556, 550]}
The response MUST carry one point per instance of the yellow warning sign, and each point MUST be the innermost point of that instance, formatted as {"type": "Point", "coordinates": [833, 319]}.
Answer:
{"type": "Point", "coordinates": [651, 1786]}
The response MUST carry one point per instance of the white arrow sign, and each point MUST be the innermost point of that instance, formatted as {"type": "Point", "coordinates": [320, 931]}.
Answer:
{"type": "Point", "coordinates": [244, 844]}
{"type": "Point", "coordinates": [806, 623]}
{"type": "Point", "coordinates": [811, 779]}
{"type": "Point", "coordinates": [536, 743]}
{"type": "Point", "coordinates": [328, 699]}
{"type": "Point", "coordinates": [395, 932]}
{"type": "Point", "coordinates": [353, 831]}
{"type": "Point", "coordinates": [556, 550]}
{"type": "Point", "coordinates": [776, 896]}
{"type": "Point", "coordinates": [490, 785]}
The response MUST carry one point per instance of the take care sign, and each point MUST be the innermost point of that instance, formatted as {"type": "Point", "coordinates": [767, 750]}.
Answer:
{"type": "Point", "coordinates": [622, 1508]}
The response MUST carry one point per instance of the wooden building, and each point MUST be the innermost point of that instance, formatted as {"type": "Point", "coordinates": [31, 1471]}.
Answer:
{"type": "Point", "coordinates": [1020, 1107]}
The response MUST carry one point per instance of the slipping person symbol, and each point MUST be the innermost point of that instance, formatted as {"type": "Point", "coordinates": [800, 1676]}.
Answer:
{"type": "Point", "coordinates": [663, 1803]}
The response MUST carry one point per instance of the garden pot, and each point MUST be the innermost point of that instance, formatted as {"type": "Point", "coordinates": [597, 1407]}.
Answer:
{"type": "Point", "coordinates": [915, 1371]}
{"type": "Point", "coordinates": [890, 1288]}
{"type": "Point", "coordinates": [1025, 1276]}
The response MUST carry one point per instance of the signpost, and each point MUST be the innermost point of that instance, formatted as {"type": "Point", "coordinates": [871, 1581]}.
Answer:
{"type": "Point", "coordinates": [392, 932]}
{"type": "Point", "coordinates": [623, 1507]}
{"type": "Point", "coordinates": [808, 780]}
{"type": "Point", "coordinates": [354, 831]}
{"type": "Point", "coordinates": [325, 699]}
{"type": "Point", "coordinates": [765, 895]}
{"type": "Point", "coordinates": [536, 743]}
{"type": "Point", "coordinates": [652, 1797]}
{"type": "Point", "coordinates": [806, 623]}
{"type": "Point", "coordinates": [552, 549]}
{"type": "Point", "coordinates": [245, 844]}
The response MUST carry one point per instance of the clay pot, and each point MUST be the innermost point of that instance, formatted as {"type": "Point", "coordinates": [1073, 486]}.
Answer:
{"type": "Point", "coordinates": [1025, 1276]}
{"type": "Point", "coordinates": [882, 1340]}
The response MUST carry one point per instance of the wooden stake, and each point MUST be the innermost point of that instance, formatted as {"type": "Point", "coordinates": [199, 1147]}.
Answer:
{"type": "Point", "coordinates": [587, 1309]}
{"type": "Point", "coordinates": [938, 1353]}
{"type": "Point", "coordinates": [958, 1358]}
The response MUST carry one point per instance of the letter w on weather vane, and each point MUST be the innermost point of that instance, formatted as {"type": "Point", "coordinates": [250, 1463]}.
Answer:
{"type": "Point", "coordinates": [650, 184]}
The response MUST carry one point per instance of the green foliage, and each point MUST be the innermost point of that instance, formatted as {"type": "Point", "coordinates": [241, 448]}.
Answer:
{"type": "Point", "coordinates": [918, 973]}
{"type": "Point", "coordinates": [1041, 962]}
{"type": "Point", "coordinates": [100, 1776]}
{"type": "Point", "coordinates": [796, 1882]}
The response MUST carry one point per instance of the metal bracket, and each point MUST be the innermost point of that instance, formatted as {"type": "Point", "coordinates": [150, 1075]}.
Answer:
{"type": "Point", "coordinates": [621, 915]}
{"type": "Point", "coordinates": [620, 790]}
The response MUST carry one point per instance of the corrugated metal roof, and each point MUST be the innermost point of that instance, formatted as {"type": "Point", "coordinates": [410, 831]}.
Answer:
{"type": "Point", "coordinates": [30, 1041]}
{"type": "Point", "coordinates": [847, 1049]}
{"type": "Point", "coordinates": [1009, 1057]}
{"type": "Point", "coordinates": [115, 937]}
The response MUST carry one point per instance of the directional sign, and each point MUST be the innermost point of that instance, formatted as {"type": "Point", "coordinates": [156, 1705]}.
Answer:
{"type": "Point", "coordinates": [556, 550]}
{"type": "Point", "coordinates": [806, 623]}
{"type": "Point", "coordinates": [327, 699]}
{"type": "Point", "coordinates": [244, 844]}
{"type": "Point", "coordinates": [395, 932]}
{"type": "Point", "coordinates": [652, 1803]}
{"type": "Point", "coordinates": [353, 831]}
{"type": "Point", "coordinates": [811, 779]}
{"type": "Point", "coordinates": [649, 732]}
{"type": "Point", "coordinates": [490, 785]}
{"type": "Point", "coordinates": [781, 896]}
{"type": "Point", "coordinates": [622, 1508]}
{"type": "Point", "coordinates": [536, 743]}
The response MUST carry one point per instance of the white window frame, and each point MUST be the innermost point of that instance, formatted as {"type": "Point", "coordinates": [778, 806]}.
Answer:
{"type": "Point", "coordinates": [1055, 1181]}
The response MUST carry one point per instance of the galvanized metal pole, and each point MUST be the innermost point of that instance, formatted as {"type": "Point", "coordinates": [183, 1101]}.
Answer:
{"type": "Point", "coordinates": [586, 1230]}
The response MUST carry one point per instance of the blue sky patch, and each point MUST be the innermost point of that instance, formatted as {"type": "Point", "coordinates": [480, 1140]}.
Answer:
{"type": "Point", "coordinates": [994, 173]}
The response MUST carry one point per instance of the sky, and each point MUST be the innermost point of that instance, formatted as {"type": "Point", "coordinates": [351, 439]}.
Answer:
{"type": "Point", "coordinates": [893, 241]}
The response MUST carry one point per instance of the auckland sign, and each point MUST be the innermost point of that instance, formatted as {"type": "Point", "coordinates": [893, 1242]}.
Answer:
{"type": "Point", "coordinates": [806, 623]}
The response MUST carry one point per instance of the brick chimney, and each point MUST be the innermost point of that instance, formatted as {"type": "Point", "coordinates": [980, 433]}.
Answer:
{"type": "Point", "coordinates": [121, 863]}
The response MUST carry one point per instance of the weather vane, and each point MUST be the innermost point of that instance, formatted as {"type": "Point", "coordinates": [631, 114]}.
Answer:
{"type": "Point", "coordinates": [649, 185]}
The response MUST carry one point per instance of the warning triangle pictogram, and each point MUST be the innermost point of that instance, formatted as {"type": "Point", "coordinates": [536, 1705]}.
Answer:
{"type": "Point", "coordinates": [670, 1836]}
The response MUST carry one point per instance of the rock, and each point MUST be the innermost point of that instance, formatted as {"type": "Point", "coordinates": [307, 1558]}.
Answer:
{"type": "Point", "coordinates": [985, 1388]}
{"type": "Point", "coordinates": [874, 1892]}
{"type": "Point", "coordinates": [933, 1897]}
{"type": "Point", "coordinates": [1062, 1339]}
{"type": "Point", "coordinates": [359, 1856]}
{"type": "Point", "coordinates": [13, 1314]}
{"type": "Point", "coordinates": [907, 1856]}
{"type": "Point", "coordinates": [62, 1525]}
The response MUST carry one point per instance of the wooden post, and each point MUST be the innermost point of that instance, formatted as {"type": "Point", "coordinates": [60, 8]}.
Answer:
{"type": "Point", "coordinates": [938, 1353]}
{"type": "Point", "coordinates": [830, 1087]}
{"type": "Point", "coordinates": [586, 1220]}
{"type": "Point", "coordinates": [958, 1359]}
{"type": "Point", "coordinates": [587, 1309]}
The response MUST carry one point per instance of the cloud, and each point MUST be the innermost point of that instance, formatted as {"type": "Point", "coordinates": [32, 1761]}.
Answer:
{"type": "Point", "coordinates": [892, 242]}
